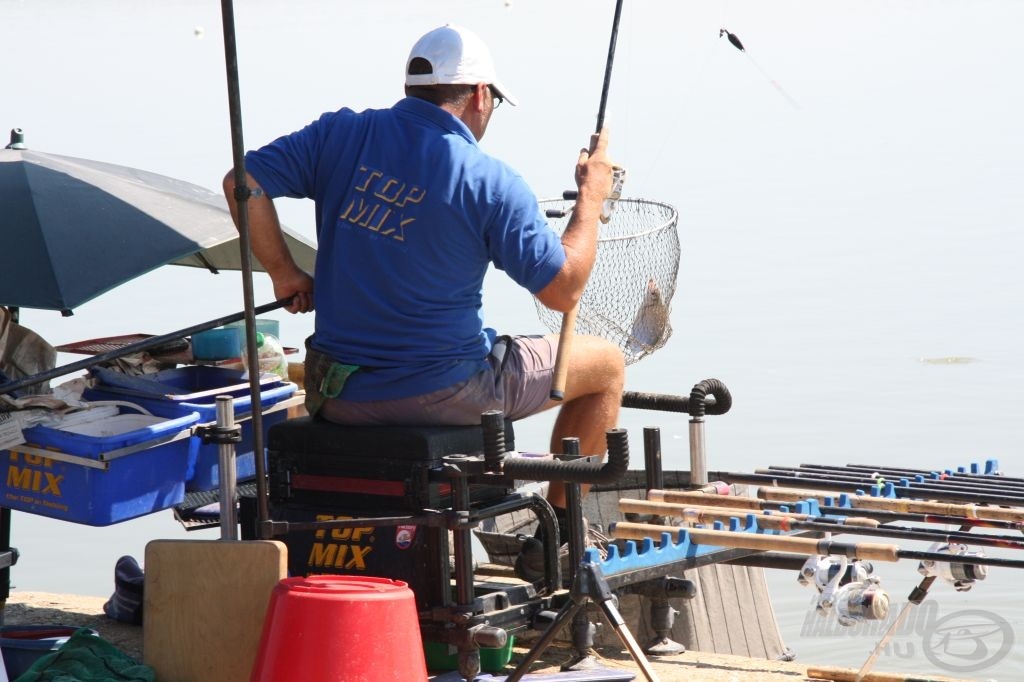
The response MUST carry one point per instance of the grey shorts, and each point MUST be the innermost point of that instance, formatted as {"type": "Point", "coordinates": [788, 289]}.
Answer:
{"type": "Point", "coordinates": [518, 384]}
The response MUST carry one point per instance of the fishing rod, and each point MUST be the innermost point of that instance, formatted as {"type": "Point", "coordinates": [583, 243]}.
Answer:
{"type": "Point", "coordinates": [871, 479]}
{"type": "Point", "coordinates": [918, 481]}
{"type": "Point", "coordinates": [627, 530]}
{"type": "Point", "coordinates": [963, 578]}
{"type": "Point", "coordinates": [990, 467]}
{"type": "Point", "coordinates": [989, 474]}
{"type": "Point", "coordinates": [787, 522]}
{"type": "Point", "coordinates": [882, 515]}
{"type": "Point", "coordinates": [1014, 514]}
{"type": "Point", "coordinates": [568, 330]}
{"type": "Point", "coordinates": [881, 486]}
{"type": "Point", "coordinates": [944, 477]}
{"type": "Point", "coordinates": [137, 347]}
{"type": "Point", "coordinates": [885, 516]}
{"type": "Point", "coordinates": [902, 491]}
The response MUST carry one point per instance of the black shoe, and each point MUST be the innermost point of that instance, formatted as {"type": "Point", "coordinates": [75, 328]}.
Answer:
{"type": "Point", "coordinates": [529, 566]}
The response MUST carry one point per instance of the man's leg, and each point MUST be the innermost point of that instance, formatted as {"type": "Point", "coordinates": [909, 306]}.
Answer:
{"type": "Point", "coordinates": [593, 396]}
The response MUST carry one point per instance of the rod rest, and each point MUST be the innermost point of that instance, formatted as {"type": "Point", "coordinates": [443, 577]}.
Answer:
{"type": "Point", "coordinates": [579, 470]}
{"type": "Point", "coordinates": [708, 397]}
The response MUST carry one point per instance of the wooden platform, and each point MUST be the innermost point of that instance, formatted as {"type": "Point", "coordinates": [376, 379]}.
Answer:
{"type": "Point", "coordinates": [40, 608]}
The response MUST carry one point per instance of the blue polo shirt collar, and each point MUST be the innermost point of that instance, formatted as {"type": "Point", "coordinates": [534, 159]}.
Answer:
{"type": "Point", "coordinates": [435, 115]}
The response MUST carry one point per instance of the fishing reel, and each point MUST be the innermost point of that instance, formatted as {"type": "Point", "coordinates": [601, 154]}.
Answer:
{"type": "Point", "coordinates": [607, 208]}
{"type": "Point", "coordinates": [846, 586]}
{"type": "Point", "coordinates": [961, 574]}
{"type": "Point", "coordinates": [618, 180]}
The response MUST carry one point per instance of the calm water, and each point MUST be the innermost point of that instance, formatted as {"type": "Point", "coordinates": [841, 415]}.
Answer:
{"type": "Point", "coordinates": [849, 192]}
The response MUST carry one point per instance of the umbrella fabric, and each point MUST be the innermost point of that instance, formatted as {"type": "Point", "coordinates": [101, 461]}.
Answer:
{"type": "Point", "coordinates": [226, 256]}
{"type": "Point", "coordinates": [75, 228]}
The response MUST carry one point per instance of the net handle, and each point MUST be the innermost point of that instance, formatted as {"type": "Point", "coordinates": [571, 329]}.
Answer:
{"type": "Point", "coordinates": [565, 339]}
{"type": "Point", "coordinates": [566, 333]}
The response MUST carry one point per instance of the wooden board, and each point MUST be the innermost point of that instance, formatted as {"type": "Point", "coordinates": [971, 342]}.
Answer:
{"type": "Point", "coordinates": [204, 604]}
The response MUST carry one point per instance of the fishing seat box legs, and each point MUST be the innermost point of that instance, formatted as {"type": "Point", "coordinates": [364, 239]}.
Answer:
{"type": "Point", "coordinates": [318, 470]}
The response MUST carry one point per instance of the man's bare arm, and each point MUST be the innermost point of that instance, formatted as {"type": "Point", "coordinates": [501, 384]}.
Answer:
{"type": "Point", "coordinates": [268, 245]}
{"type": "Point", "coordinates": [594, 183]}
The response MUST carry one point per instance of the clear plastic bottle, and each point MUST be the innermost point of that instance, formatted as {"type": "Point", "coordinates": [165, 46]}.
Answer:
{"type": "Point", "coordinates": [271, 354]}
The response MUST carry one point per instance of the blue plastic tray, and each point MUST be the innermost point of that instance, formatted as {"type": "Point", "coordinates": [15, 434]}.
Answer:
{"type": "Point", "coordinates": [204, 473]}
{"type": "Point", "coordinates": [100, 480]}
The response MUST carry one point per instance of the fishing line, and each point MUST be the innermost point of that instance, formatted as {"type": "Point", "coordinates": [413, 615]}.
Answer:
{"type": "Point", "coordinates": [676, 97]}
{"type": "Point", "coordinates": [735, 41]}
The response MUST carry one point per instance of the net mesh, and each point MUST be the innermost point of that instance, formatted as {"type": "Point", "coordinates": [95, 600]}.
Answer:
{"type": "Point", "coordinates": [628, 297]}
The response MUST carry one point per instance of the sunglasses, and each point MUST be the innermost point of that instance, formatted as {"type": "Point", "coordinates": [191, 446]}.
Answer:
{"type": "Point", "coordinates": [498, 99]}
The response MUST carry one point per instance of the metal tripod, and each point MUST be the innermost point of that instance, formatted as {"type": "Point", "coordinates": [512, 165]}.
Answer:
{"type": "Point", "coordinates": [588, 584]}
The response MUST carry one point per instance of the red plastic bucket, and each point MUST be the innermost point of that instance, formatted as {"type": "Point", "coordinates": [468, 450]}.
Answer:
{"type": "Point", "coordinates": [340, 628]}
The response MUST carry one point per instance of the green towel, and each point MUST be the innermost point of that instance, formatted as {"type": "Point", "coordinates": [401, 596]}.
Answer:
{"type": "Point", "coordinates": [87, 658]}
{"type": "Point", "coordinates": [324, 378]}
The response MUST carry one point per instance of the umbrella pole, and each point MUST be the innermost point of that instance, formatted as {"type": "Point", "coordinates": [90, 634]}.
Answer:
{"type": "Point", "coordinates": [242, 194]}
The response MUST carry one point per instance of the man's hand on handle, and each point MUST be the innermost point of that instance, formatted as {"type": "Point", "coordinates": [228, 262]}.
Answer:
{"type": "Point", "coordinates": [594, 180]}
{"type": "Point", "coordinates": [594, 183]}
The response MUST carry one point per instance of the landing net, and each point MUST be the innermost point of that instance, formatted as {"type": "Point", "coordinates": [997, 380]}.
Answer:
{"type": "Point", "coordinates": [628, 297]}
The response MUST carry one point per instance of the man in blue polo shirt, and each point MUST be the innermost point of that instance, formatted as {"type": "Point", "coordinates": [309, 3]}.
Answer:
{"type": "Point", "coordinates": [410, 212]}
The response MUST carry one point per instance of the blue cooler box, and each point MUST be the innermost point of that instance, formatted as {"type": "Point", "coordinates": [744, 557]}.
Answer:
{"type": "Point", "coordinates": [104, 471]}
{"type": "Point", "coordinates": [195, 388]}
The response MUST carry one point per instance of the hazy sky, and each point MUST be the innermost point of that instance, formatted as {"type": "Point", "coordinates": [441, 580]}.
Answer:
{"type": "Point", "coordinates": [848, 188]}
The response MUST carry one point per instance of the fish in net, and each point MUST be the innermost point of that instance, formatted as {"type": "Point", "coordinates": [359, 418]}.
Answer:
{"type": "Point", "coordinates": [629, 295]}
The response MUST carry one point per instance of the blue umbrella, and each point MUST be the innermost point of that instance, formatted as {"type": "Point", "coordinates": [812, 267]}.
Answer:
{"type": "Point", "coordinates": [73, 228]}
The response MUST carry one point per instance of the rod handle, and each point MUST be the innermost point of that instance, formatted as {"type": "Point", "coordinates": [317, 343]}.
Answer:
{"type": "Point", "coordinates": [874, 551]}
{"type": "Point", "coordinates": [850, 675]}
{"type": "Point", "coordinates": [709, 511]}
{"type": "Point", "coordinates": [709, 499]}
{"type": "Point", "coordinates": [698, 513]}
{"type": "Point", "coordinates": [1012, 514]}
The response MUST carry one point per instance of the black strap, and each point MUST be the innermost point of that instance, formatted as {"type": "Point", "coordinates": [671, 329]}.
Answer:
{"type": "Point", "coordinates": [500, 351]}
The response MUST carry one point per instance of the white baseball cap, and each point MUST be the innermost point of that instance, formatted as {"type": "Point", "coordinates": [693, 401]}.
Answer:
{"type": "Point", "coordinates": [457, 56]}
